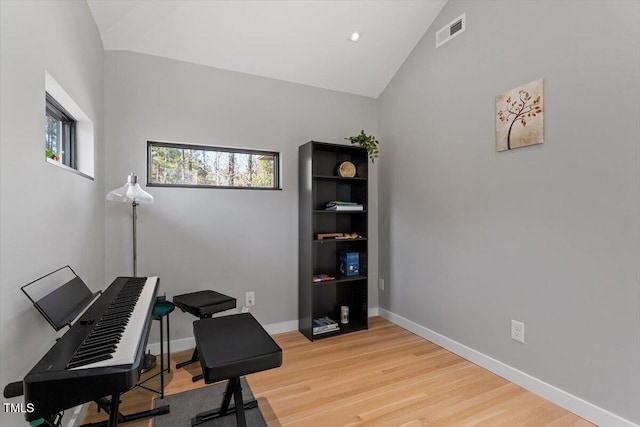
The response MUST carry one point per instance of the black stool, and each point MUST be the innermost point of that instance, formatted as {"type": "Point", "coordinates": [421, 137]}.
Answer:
{"type": "Point", "coordinates": [161, 310]}
{"type": "Point", "coordinates": [202, 304]}
{"type": "Point", "coordinates": [230, 347]}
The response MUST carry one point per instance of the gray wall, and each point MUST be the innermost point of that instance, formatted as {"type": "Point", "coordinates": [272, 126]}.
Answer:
{"type": "Point", "coordinates": [548, 235]}
{"type": "Point", "coordinates": [469, 238]}
{"type": "Point", "coordinates": [232, 241]}
{"type": "Point", "coordinates": [49, 217]}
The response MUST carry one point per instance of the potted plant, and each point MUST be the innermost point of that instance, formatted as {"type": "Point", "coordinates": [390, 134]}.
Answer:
{"type": "Point", "coordinates": [50, 154]}
{"type": "Point", "coordinates": [366, 141]}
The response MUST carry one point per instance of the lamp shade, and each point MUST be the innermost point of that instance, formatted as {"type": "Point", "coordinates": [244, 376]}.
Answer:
{"type": "Point", "coordinates": [130, 192]}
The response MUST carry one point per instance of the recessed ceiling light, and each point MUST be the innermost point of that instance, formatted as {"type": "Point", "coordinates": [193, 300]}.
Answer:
{"type": "Point", "coordinates": [354, 37]}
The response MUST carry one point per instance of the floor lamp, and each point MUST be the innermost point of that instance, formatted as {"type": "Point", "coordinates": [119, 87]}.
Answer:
{"type": "Point", "coordinates": [131, 193]}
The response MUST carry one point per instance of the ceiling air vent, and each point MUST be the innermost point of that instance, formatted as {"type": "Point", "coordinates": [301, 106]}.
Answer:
{"type": "Point", "coordinates": [451, 30]}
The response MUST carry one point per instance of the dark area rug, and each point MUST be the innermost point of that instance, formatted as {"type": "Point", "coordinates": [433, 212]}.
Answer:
{"type": "Point", "coordinates": [186, 405]}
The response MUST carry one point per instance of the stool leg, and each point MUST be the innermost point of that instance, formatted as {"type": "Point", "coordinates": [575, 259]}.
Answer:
{"type": "Point", "coordinates": [194, 358]}
{"type": "Point", "coordinates": [230, 391]}
{"type": "Point", "coordinates": [161, 360]}
{"type": "Point", "coordinates": [237, 399]}
{"type": "Point", "coordinates": [234, 389]}
{"type": "Point", "coordinates": [168, 347]}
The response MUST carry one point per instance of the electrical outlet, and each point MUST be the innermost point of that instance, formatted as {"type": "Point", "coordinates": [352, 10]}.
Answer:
{"type": "Point", "coordinates": [250, 299]}
{"type": "Point", "coordinates": [381, 284]}
{"type": "Point", "coordinates": [517, 331]}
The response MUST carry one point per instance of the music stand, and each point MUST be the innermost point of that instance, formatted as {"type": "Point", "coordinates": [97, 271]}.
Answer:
{"type": "Point", "coordinates": [59, 303]}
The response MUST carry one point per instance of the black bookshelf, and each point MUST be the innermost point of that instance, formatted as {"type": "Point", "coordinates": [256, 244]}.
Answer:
{"type": "Point", "coordinates": [320, 183]}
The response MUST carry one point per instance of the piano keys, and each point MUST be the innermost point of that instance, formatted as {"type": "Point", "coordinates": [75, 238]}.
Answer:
{"type": "Point", "coordinates": [100, 355]}
{"type": "Point", "coordinates": [116, 335]}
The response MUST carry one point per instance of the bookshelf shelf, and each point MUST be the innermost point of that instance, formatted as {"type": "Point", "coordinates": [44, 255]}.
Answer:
{"type": "Point", "coordinates": [323, 211]}
{"type": "Point", "coordinates": [319, 184]}
{"type": "Point", "coordinates": [323, 241]}
{"type": "Point", "coordinates": [338, 178]}
{"type": "Point", "coordinates": [352, 326]}
{"type": "Point", "coordinates": [339, 280]}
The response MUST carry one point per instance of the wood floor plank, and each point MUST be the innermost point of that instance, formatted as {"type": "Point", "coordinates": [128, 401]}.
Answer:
{"type": "Point", "coordinates": [384, 376]}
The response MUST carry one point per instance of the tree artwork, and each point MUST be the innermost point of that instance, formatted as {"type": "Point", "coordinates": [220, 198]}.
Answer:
{"type": "Point", "coordinates": [519, 121]}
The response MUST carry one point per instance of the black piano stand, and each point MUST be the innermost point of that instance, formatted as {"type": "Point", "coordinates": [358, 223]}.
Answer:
{"type": "Point", "coordinates": [116, 417]}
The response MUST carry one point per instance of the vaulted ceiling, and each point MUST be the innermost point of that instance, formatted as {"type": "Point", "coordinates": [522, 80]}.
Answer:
{"type": "Point", "coordinates": [300, 41]}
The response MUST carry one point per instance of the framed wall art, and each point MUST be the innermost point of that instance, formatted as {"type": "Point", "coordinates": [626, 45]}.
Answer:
{"type": "Point", "coordinates": [519, 119]}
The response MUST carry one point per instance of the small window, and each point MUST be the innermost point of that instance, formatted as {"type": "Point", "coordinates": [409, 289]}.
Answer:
{"type": "Point", "coordinates": [60, 134]}
{"type": "Point", "coordinates": [181, 165]}
{"type": "Point", "coordinates": [68, 132]}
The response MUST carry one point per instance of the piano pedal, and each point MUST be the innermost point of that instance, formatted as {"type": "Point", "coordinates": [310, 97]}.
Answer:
{"type": "Point", "coordinates": [148, 362]}
{"type": "Point", "coordinates": [14, 389]}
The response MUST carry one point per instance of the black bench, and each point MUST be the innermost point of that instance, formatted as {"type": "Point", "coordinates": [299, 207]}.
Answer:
{"type": "Point", "coordinates": [230, 347]}
{"type": "Point", "coordinates": [202, 304]}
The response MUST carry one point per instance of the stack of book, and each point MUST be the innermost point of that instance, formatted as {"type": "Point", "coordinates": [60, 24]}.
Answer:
{"type": "Point", "coordinates": [322, 325]}
{"type": "Point", "coordinates": [337, 205]}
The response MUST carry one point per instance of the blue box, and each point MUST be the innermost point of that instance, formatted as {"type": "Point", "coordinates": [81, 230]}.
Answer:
{"type": "Point", "coordinates": [349, 263]}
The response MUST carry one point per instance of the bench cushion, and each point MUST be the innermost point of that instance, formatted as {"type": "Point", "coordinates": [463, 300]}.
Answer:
{"type": "Point", "coordinates": [234, 345]}
{"type": "Point", "coordinates": [204, 303]}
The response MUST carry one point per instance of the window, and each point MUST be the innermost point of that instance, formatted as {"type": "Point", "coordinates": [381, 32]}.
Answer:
{"type": "Point", "coordinates": [69, 133]}
{"type": "Point", "coordinates": [181, 165]}
{"type": "Point", "coordinates": [60, 134]}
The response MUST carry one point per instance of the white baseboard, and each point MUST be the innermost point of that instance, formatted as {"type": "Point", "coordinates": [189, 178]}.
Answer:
{"type": "Point", "coordinates": [273, 328]}
{"type": "Point", "coordinates": [282, 327]}
{"type": "Point", "coordinates": [176, 345]}
{"type": "Point", "coordinates": [189, 343]}
{"type": "Point", "coordinates": [578, 406]}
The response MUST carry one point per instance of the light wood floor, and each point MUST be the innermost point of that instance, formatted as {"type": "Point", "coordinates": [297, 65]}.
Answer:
{"type": "Point", "coordinates": [385, 376]}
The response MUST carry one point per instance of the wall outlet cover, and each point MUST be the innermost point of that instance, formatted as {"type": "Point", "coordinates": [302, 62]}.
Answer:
{"type": "Point", "coordinates": [517, 331]}
{"type": "Point", "coordinates": [250, 299]}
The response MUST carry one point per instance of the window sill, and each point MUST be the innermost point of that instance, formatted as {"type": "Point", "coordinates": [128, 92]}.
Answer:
{"type": "Point", "coordinates": [213, 186]}
{"type": "Point", "coordinates": [67, 168]}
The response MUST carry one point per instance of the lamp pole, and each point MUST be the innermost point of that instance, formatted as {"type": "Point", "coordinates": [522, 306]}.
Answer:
{"type": "Point", "coordinates": [134, 204]}
{"type": "Point", "coordinates": [131, 193]}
